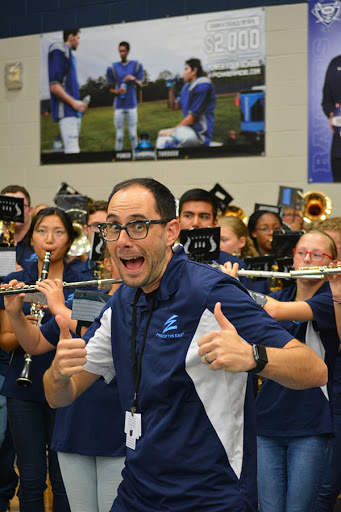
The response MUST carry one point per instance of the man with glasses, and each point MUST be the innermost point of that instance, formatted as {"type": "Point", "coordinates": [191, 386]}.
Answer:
{"type": "Point", "coordinates": [96, 214]}
{"type": "Point", "coordinates": [189, 430]}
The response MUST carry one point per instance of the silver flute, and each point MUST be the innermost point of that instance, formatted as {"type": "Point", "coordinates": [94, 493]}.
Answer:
{"type": "Point", "coordinates": [32, 288]}
{"type": "Point", "coordinates": [306, 272]}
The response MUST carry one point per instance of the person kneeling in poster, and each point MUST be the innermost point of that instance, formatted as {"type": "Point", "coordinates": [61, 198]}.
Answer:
{"type": "Point", "coordinates": [198, 101]}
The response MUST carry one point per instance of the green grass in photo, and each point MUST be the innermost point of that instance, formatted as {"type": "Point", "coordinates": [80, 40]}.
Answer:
{"type": "Point", "coordinates": [98, 132]}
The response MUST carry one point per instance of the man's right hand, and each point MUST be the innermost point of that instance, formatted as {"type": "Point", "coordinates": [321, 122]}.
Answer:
{"type": "Point", "coordinates": [79, 106]}
{"type": "Point", "coordinates": [70, 354]}
{"type": "Point", "coordinates": [331, 115]}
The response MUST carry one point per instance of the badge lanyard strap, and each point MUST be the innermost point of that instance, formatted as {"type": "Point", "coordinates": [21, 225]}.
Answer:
{"type": "Point", "coordinates": [137, 366]}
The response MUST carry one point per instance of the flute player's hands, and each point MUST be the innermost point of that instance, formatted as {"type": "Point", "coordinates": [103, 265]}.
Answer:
{"type": "Point", "coordinates": [13, 303]}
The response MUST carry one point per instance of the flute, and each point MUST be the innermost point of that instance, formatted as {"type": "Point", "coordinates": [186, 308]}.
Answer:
{"type": "Point", "coordinates": [306, 272]}
{"type": "Point", "coordinates": [32, 288]}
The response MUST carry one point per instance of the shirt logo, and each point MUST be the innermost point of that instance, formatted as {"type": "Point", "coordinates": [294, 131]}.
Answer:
{"type": "Point", "coordinates": [170, 325]}
{"type": "Point", "coordinates": [327, 13]}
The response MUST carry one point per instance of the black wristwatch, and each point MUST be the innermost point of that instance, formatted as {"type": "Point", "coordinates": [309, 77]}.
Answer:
{"type": "Point", "coordinates": [261, 358]}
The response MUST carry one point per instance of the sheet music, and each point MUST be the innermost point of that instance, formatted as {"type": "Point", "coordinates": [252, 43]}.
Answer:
{"type": "Point", "coordinates": [7, 260]}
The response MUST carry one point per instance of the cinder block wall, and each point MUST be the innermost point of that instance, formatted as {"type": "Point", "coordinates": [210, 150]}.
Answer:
{"type": "Point", "coordinates": [248, 180]}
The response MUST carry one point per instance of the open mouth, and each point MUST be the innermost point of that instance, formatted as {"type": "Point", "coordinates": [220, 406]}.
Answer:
{"type": "Point", "coordinates": [133, 264]}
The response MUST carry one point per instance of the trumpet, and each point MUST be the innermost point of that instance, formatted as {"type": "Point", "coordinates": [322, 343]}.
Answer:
{"type": "Point", "coordinates": [32, 288]}
{"type": "Point", "coordinates": [305, 272]}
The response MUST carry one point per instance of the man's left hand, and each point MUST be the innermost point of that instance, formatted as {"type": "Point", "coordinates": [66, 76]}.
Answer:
{"type": "Point", "coordinates": [225, 349]}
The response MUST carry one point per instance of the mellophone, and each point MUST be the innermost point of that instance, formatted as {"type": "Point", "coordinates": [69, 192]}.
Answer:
{"type": "Point", "coordinates": [32, 288]}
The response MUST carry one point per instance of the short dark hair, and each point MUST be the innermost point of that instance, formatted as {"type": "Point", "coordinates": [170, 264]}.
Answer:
{"type": "Point", "coordinates": [46, 212]}
{"type": "Point", "coordinates": [67, 33]}
{"type": "Point", "coordinates": [124, 43]}
{"type": "Point", "coordinates": [164, 199]}
{"type": "Point", "coordinates": [195, 63]}
{"type": "Point", "coordinates": [96, 206]}
{"type": "Point", "coordinates": [199, 194]}
{"type": "Point", "coordinates": [17, 188]}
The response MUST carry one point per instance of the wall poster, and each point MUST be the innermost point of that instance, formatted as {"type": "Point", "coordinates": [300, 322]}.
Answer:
{"type": "Point", "coordinates": [324, 85]}
{"type": "Point", "coordinates": [179, 87]}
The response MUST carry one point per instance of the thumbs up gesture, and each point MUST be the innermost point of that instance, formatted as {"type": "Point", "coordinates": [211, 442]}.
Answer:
{"type": "Point", "coordinates": [225, 349]}
{"type": "Point", "coordinates": [70, 354]}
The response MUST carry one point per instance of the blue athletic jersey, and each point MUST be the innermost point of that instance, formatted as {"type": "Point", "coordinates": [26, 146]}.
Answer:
{"type": "Point", "coordinates": [62, 70]}
{"type": "Point", "coordinates": [198, 449]}
{"type": "Point", "coordinates": [199, 99]}
{"type": "Point", "coordinates": [93, 424]}
{"type": "Point", "coordinates": [42, 362]}
{"type": "Point", "coordinates": [115, 75]}
{"type": "Point", "coordinates": [287, 412]}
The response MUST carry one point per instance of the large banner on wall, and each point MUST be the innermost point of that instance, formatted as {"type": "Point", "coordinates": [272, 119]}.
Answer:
{"type": "Point", "coordinates": [181, 87]}
{"type": "Point", "coordinates": [324, 91]}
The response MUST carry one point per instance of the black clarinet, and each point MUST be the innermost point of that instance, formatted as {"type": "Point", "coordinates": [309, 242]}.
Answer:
{"type": "Point", "coordinates": [25, 378]}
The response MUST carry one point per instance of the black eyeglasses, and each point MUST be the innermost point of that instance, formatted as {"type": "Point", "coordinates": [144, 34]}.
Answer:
{"type": "Point", "coordinates": [93, 227]}
{"type": "Point", "coordinates": [136, 229]}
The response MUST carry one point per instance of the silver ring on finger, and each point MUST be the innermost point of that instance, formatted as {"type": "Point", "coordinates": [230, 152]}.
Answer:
{"type": "Point", "coordinates": [207, 360]}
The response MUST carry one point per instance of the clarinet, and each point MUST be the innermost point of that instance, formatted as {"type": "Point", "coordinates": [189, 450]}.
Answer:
{"type": "Point", "coordinates": [25, 378]}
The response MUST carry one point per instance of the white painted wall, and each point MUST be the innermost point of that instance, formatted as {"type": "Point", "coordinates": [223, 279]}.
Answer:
{"type": "Point", "coordinates": [248, 180]}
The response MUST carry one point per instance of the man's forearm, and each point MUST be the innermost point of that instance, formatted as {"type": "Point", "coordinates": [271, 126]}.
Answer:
{"type": "Point", "coordinates": [58, 90]}
{"type": "Point", "coordinates": [27, 334]}
{"type": "Point", "coordinates": [296, 366]}
{"type": "Point", "coordinates": [189, 120]}
{"type": "Point", "coordinates": [59, 393]}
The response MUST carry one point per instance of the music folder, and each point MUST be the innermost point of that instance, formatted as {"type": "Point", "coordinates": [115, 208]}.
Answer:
{"type": "Point", "coordinates": [201, 244]}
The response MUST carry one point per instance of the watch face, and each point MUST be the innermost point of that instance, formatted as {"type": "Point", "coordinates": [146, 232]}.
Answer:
{"type": "Point", "coordinates": [260, 354]}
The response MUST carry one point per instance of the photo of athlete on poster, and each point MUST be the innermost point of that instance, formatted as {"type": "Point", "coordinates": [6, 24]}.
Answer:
{"type": "Point", "coordinates": [324, 63]}
{"type": "Point", "coordinates": [195, 87]}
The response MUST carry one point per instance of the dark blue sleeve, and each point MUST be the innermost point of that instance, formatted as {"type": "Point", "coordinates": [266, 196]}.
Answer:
{"type": "Point", "coordinates": [50, 331]}
{"type": "Point", "coordinates": [57, 63]}
{"type": "Point", "coordinates": [110, 75]}
{"type": "Point", "coordinates": [198, 99]}
{"type": "Point", "coordinates": [323, 310]}
{"type": "Point", "coordinates": [139, 71]}
{"type": "Point", "coordinates": [253, 324]}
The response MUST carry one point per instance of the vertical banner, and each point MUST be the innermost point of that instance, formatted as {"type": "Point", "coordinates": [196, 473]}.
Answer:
{"type": "Point", "coordinates": [324, 84]}
{"type": "Point", "coordinates": [181, 87]}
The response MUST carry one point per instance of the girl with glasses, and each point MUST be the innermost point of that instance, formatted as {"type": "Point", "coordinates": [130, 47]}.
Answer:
{"type": "Point", "coordinates": [88, 434]}
{"type": "Point", "coordinates": [262, 225]}
{"type": "Point", "coordinates": [295, 428]}
{"type": "Point", "coordinates": [31, 420]}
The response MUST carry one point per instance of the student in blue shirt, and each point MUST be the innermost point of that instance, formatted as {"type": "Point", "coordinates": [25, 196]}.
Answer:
{"type": "Point", "coordinates": [124, 76]}
{"type": "Point", "coordinates": [88, 434]}
{"type": "Point", "coordinates": [295, 428]}
{"type": "Point", "coordinates": [66, 106]}
{"type": "Point", "coordinates": [31, 420]}
{"type": "Point", "coordinates": [198, 102]}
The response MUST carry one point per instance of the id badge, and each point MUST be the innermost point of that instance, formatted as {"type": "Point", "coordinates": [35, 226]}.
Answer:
{"type": "Point", "coordinates": [132, 429]}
